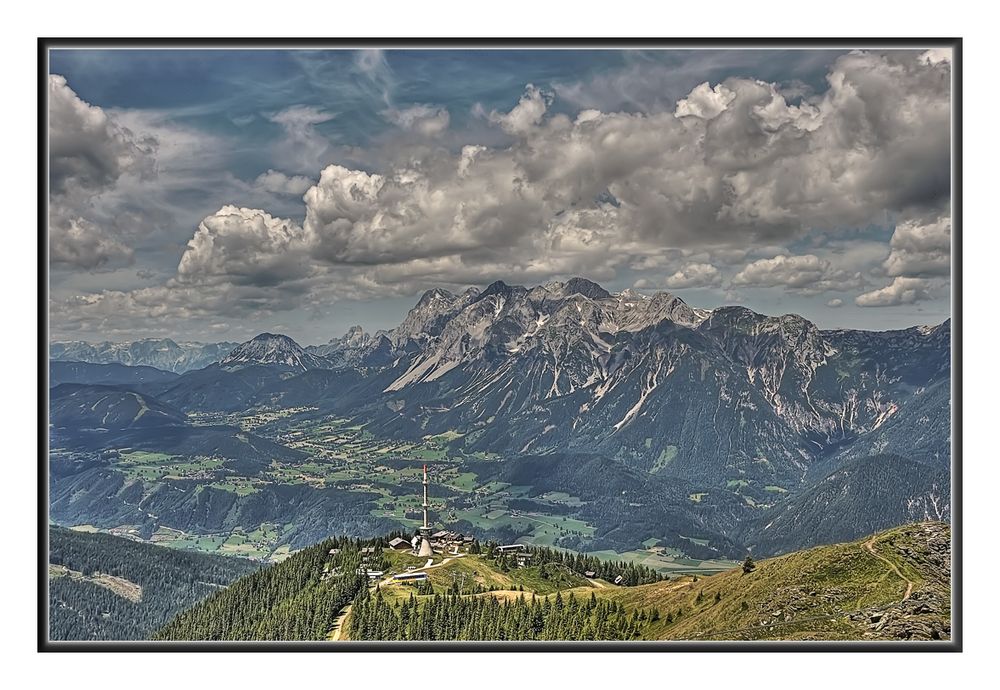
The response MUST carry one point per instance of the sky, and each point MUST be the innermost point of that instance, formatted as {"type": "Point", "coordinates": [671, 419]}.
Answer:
{"type": "Point", "coordinates": [212, 195]}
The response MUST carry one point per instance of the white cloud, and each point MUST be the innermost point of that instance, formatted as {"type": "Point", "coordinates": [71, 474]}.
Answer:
{"type": "Point", "coordinates": [304, 148]}
{"type": "Point", "coordinates": [705, 101]}
{"type": "Point", "coordinates": [90, 152]}
{"type": "Point", "coordinates": [899, 291]}
{"type": "Point", "coordinates": [373, 67]}
{"type": "Point", "coordinates": [277, 182]}
{"type": "Point", "coordinates": [806, 273]}
{"type": "Point", "coordinates": [526, 114]}
{"type": "Point", "coordinates": [244, 247]}
{"type": "Point", "coordinates": [835, 303]}
{"type": "Point", "coordinates": [920, 249]}
{"type": "Point", "coordinates": [694, 275]}
{"type": "Point", "coordinates": [936, 55]}
{"type": "Point", "coordinates": [298, 120]}
{"type": "Point", "coordinates": [783, 270]}
{"type": "Point", "coordinates": [426, 120]}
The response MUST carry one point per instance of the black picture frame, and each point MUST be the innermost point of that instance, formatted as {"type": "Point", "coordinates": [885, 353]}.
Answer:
{"type": "Point", "coordinates": [46, 44]}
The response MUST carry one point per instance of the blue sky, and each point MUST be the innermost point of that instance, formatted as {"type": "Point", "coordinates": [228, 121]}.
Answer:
{"type": "Point", "coordinates": [800, 181]}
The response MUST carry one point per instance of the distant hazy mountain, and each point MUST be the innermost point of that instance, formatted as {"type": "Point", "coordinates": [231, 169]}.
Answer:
{"type": "Point", "coordinates": [109, 408]}
{"type": "Point", "coordinates": [162, 353]}
{"type": "Point", "coordinates": [108, 374]}
{"type": "Point", "coordinates": [353, 340]}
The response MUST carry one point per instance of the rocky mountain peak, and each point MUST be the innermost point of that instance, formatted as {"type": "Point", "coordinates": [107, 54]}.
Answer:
{"type": "Point", "coordinates": [587, 288]}
{"type": "Point", "coordinates": [355, 336]}
{"type": "Point", "coordinates": [435, 297]}
{"type": "Point", "coordinates": [499, 288]}
{"type": "Point", "coordinates": [628, 294]}
{"type": "Point", "coordinates": [272, 349]}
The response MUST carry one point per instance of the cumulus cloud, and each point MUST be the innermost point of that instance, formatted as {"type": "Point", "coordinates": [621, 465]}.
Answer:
{"type": "Point", "coordinates": [835, 303]}
{"type": "Point", "coordinates": [277, 182]}
{"type": "Point", "coordinates": [240, 263]}
{"type": "Point", "coordinates": [526, 114]}
{"type": "Point", "coordinates": [920, 249]}
{"type": "Point", "coordinates": [244, 247]}
{"type": "Point", "coordinates": [806, 273]}
{"type": "Point", "coordinates": [694, 275]}
{"type": "Point", "coordinates": [705, 101]}
{"type": "Point", "coordinates": [426, 120]}
{"type": "Point", "coordinates": [936, 55]}
{"type": "Point", "coordinates": [899, 291]}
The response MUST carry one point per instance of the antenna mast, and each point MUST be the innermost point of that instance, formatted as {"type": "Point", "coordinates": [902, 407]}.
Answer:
{"type": "Point", "coordinates": [426, 506]}
{"type": "Point", "coordinates": [425, 531]}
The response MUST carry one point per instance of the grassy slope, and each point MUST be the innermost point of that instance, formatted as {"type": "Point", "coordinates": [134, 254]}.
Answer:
{"type": "Point", "coordinates": [479, 570]}
{"type": "Point", "coordinates": [828, 592]}
{"type": "Point", "coordinates": [825, 593]}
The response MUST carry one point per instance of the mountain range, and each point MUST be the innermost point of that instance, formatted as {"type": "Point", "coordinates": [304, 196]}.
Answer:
{"type": "Point", "coordinates": [723, 422]}
{"type": "Point", "coordinates": [162, 353]}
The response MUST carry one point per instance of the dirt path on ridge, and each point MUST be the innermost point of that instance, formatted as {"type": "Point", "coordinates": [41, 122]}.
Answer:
{"type": "Point", "coordinates": [870, 547]}
{"type": "Point", "coordinates": [338, 625]}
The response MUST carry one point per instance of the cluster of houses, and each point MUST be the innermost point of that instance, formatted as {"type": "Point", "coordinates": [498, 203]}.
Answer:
{"type": "Point", "coordinates": [518, 551]}
{"type": "Point", "coordinates": [443, 541]}
{"type": "Point", "coordinates": [369, 553]}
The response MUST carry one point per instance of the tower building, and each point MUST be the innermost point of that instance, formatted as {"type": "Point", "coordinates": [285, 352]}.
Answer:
{"type": "Point", "coordinates": [425, 529]}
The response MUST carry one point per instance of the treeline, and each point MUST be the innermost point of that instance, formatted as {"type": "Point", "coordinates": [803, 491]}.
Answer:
{"type": "Point", "coordinates": [298, 599]}
{"type": "Point", "coordinates": [453, 617]}
{"type": "Point", "coordinates": [171, 581]}
{"type": "Point", "coordinates": [631, 573]}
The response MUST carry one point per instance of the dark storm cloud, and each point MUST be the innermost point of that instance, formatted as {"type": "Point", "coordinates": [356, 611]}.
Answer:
{"type": "Point", "coordinates": [88, 153]}
{"type": "Point", "coordinates": [88, 150]}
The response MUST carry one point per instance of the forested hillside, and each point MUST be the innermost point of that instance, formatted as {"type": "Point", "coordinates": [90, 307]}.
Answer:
{"type": "Point", "coordinates": [103, 587]}
{"type": "Point", "coordinates": [526, 617]}
{"type": "Point", "coordinates": [294, 600]}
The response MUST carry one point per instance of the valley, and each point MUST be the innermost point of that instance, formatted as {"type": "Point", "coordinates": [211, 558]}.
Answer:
{"type": "Point", "coordinates": [384, 472]}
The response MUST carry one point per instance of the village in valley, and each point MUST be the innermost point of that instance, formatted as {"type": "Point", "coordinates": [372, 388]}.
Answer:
{"type": "Point", "coordinates": [339, 453]}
